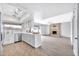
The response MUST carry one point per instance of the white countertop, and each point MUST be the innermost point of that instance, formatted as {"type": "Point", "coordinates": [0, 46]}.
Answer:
{"type": "Point", "coordinates": [26, 33]}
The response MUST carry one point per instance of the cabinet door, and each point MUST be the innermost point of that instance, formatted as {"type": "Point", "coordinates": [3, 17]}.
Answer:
{"type": "Point", "coordinates": [9, 37]}
{"type": "Point", "coordinates": [6, 39]}
{"type": "Point", "coordinates": [25, 38]}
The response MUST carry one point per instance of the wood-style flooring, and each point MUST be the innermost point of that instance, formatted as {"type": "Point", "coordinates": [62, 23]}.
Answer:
{"type": "Point", "coordinates": [50, 47]}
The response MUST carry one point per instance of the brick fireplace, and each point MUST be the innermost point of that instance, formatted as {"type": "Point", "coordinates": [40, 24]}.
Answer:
{"type": "Point", "coordinates": [55, 30]}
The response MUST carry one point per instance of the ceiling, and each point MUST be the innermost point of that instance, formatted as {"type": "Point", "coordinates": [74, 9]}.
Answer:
{"type": "Point", "coordinates": [47, 10]}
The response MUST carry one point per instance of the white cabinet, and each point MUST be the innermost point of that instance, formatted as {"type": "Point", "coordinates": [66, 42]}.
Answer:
{"type": "Point", "coordinates": [8, 36]}
{"type": "Point", "coordinates": [32, 39]}
{"type": "Point", "coordinates": [17, 37]}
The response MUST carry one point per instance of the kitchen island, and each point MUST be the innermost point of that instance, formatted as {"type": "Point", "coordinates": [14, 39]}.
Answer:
{"type": "Point", "coordinates": [32, 39]}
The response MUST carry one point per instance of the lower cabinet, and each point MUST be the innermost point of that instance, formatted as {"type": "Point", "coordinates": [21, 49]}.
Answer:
{"type": "Point", "coordinates": [8, 37]}
{"type": "Point", "coordinates": [32, 39]}
{"type": "Point", "coordinates": [17, 37]}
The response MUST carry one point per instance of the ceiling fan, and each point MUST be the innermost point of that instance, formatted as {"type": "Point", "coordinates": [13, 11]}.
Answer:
{"type": "Point", "coordinates": [18, 13]}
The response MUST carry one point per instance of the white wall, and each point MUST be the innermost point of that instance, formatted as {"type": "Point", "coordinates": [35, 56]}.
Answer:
{"type": "Point", "coordinates": [66, 29]}
{"type": "Point", "coordinates": [45, 30]}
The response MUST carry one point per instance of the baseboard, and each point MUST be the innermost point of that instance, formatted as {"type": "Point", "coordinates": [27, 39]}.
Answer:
{"type": "Point", "coordinates": [65, 37]}
{"type": "Point", "coordinates": [46, 34]}
{"type": "Point", "coordinates": [18, 41]}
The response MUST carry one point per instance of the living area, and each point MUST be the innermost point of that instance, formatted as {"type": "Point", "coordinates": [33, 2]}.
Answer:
{"type": "Point", "coordinates": [36, 29]}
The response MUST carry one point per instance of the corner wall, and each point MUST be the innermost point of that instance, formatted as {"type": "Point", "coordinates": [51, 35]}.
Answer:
{"type": "Point", "coordinates": [66, 29]}
{"type": "Point", "coordinates": [45, 29]}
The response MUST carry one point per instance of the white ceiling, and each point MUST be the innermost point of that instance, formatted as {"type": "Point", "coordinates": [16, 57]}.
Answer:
{"type": "Point", "coordinates": [67, 17]}
{"type": "Point", "coordinates": [47, 10]}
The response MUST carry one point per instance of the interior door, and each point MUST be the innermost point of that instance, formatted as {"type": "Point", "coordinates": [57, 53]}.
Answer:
{"type": "Point", "coordinates": [78, 27]}
{"type": "Point", "coordinates": [75, 28]}
{"type": "Point", "coordinates": [0, 32]}
{"type": "Point", "coordinates": [1, 48]}
{"type": "Point", "coordinates": [0, 29]}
